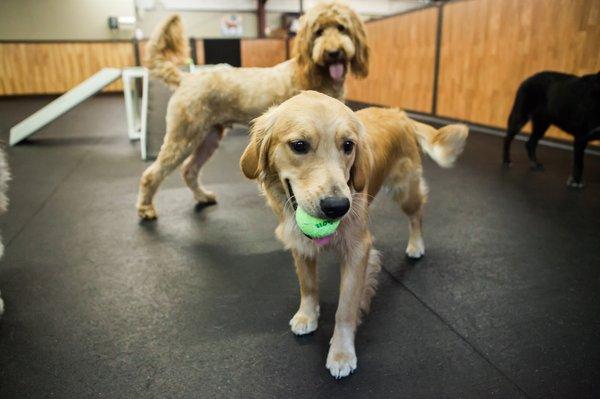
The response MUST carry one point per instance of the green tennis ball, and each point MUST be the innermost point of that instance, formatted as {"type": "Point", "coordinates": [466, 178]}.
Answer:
{"type": "Point", "coordinates": [315, 227]}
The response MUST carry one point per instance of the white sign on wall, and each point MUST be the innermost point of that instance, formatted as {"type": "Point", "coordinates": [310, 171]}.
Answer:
{"type": "Point", "coordinates": [231, 25]}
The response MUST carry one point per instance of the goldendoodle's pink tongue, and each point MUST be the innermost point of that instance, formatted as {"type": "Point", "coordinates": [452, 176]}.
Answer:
{"type": "Point", "coordinates": [321, 242]}
{"type": "Point", "coordinates": [336, 71]}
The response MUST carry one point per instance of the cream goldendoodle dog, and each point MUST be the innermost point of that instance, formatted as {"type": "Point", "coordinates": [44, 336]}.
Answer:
{"type": "Point", "coordinates": [313, 152]}
{"type": "Point", "coordinates": [331, 41]}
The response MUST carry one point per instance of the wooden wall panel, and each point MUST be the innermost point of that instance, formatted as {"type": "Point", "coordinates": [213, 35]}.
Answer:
{"type": "Point", "coordinates": [402, 62]}
{"type": "Point", "coordinates": [50, 68]}
{"type": "Point", "coordinates": [490, 46]}
{"type": "Point", "coordinates": [262, 52]}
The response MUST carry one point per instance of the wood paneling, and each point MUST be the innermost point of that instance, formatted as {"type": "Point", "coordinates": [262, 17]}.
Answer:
{"type": "Point", "coordinates": [401, 62]}
{"type": "Point", "coordinates": [490, 46]}
{"type": "Point", "coordinates": [50, 68]}
{"type": "Point", "coordinates": [262, 52]}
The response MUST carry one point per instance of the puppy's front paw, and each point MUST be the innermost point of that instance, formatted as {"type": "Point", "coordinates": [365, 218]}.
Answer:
{"type": "Point", "coordinates": [415, 249]}
{"type": "Point", "coordinates": [341, 363]}
{"type": "Point", "coordinates": [304, 322]}
{"type": "Point", "coordinates": [147, 212]}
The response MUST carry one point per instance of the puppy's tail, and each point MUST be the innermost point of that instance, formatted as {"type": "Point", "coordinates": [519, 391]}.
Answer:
{"type": "Point", "coordinates": [443, 145]}
{"type": "Point", "coordinates": [373, 269]}
{"type": "Point", "coordinates": [166, 50]}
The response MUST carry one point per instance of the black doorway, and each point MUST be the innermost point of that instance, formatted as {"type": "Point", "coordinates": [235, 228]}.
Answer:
{"type": "Point", "coordinates": [217, 51]}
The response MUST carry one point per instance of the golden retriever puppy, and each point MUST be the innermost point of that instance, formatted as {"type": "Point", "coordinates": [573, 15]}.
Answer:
{"type": "Point", "coordinates": [331, 41]}
{"type": "Point", "coordinates": [314, 152]}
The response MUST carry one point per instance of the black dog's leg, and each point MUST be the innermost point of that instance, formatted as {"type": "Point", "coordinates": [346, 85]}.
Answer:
{"type": "Point", "coordinates": [510, 135]}
{"type": "Point", "coordinates": [519, 115]}
{"type": "Point", "coordinates": [540, 125]}
{"type": "Point", "coordinates": [576, 181]}
{"type": "Point", "coordinates": [514, 127]}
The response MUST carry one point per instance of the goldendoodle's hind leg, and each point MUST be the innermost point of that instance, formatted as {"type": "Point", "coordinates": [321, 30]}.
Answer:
{"type": "Point", "coordinates": [172, 153]}
{"type": "Point", "coordinates": [191, 167]}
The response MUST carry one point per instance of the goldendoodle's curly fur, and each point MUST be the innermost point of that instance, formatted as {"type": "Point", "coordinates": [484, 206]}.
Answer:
{"type": "Point", "coordinates": [331, 41]}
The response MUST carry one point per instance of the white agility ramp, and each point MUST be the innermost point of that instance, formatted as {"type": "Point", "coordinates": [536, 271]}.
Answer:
{"type": "Point", "coordinates": [62, 104]}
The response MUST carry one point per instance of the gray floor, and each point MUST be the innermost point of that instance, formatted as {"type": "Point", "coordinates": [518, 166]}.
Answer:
{"type": "Point", "coordinates": [505, 304]}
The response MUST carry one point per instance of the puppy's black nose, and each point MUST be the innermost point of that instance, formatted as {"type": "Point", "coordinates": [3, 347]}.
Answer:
{"type": "Point", "coordinates": [335, 207]}
{"type": "Point", "coordinates": [334, 55]}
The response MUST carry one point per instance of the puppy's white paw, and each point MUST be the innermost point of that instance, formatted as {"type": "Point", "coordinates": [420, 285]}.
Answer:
{"type": "Point", "coordinates": [341, 363]}
{"type": "Point", "coordinates": [304, 322]}
{"type": "Point", "coordinates": [415, 249]}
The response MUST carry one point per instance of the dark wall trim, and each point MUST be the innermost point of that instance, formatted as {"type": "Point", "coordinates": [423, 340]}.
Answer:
{"type": "Point", "coordinates": [193, 53]}
{"type": "Point", "coordinates": [136, 51]}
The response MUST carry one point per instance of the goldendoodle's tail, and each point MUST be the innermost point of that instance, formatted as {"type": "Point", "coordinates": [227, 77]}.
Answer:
{"type": "Point", "coordinates": [443, 145]}
{"type": "Point", "coordinates": [168, 49]}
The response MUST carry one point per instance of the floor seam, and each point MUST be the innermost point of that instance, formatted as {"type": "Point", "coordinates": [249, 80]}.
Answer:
{"type": "Point", "coordinates": [456, 332]}
{"type": "Point", "coordinates": [45, 201]}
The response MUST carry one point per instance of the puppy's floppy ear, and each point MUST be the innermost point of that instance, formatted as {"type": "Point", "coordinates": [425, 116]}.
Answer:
{"type": "Point", "coordinates": [254, 161]}
{"type": "Point", "coordinates": [361, 169]}
{"type": "Point", "coordinates": [360, 62]}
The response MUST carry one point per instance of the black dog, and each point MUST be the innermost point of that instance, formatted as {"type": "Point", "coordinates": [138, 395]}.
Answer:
{"type": "Point", "coordinates": [552, 98]}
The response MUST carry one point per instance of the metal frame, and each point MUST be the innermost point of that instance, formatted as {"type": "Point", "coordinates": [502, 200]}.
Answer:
{"type": "Point", "coordinates": [136, 120]}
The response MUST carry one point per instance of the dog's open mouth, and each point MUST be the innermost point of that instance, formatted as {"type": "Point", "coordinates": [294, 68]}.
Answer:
{"type": "Point", "coordinates": [337, 71]}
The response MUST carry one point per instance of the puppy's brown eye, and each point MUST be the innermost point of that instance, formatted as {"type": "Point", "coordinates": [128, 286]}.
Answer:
{"type": "Point", "coordinates": [341, 28]}
{"type": "Point", "coordinates": [299, 146]}
{"type": "Point", "coordinates": [319, 32]}
{"type": "Point", "coordinates": [348, 146]}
